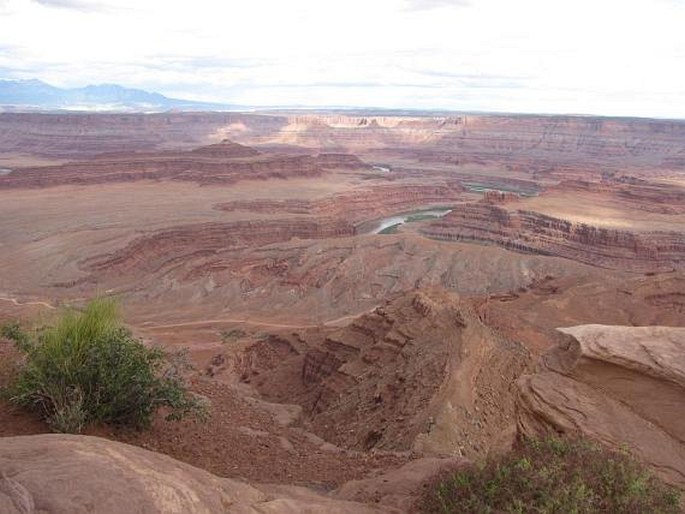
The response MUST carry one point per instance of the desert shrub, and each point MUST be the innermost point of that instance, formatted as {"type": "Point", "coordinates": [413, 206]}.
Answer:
{"type": "Point", "coordinates": [553, 475]}
{"type": "Point", "coordinates": [228, 336]}
{"type": "Point", "coordinates": [88, 368]}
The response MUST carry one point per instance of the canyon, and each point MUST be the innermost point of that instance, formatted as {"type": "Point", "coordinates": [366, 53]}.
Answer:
{"type": "Point", "coordinates": [346, 368]}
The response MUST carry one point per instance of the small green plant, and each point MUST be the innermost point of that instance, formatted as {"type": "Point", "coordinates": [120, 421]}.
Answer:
{"type": "Point", "coordinates": [88, 368]}
{"type": "Point", "coordinates": [553, 475]}
{"type": "Point", "coordinates": [13, 332]}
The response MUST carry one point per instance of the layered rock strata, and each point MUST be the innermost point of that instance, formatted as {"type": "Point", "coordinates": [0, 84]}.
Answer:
{"type": "Point", "coordinates": [160, 249]}
{"type": "Point", "coordinates": [547, 145]}
{"type": "Point", "coordinates": [83, 135]}
{"type": "Point", "coordinates": [360, 205]}
{"type": "Point", "coordinates": [556, 145]}
{"type": "Point", "coordinates": [533, 232]}
{"type": "Point", "coordinates": [217, 164]}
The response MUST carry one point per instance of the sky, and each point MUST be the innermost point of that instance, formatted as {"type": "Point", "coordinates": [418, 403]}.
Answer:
{"type": "Point", "coordinates": [609, 57]}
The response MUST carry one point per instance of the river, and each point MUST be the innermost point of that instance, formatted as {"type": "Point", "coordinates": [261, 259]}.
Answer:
{"type": "Point", "coordinates": [400, 219]}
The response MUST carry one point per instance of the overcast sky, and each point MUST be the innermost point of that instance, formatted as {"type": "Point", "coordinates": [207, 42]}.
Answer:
{"type": "Point", "coordinates": [613, 57]}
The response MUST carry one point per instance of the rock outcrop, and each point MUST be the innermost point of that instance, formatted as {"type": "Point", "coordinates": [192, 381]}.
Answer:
{"type": "Point", "coordinates": [623, 386]}
{"type": "Point", "coordinates": [533, 232]}
{"type": "Point", "coordinates": [63, 474]}
{"type": "Point", "coordinates": [419, 373]}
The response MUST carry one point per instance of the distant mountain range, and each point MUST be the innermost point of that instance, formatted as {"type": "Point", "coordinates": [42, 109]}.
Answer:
{"type": "Point", "coordinates": [37, 95]}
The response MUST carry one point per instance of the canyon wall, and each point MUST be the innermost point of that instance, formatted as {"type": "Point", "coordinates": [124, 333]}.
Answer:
{"type": "Point", "coordinates": [564, 144]}
{"type": "Point", "coordinates": [152, 252]}
{"type": "Point", "coordinates": [359, 205]}
{"type": "Point", "coordinates": [81, 135]}
{"type": "Point", "coordinates": [532, 232]}
{"type": "Point", "coordinates": [206, 165]}
{"type": "Point", "coordinates": [558, 144]}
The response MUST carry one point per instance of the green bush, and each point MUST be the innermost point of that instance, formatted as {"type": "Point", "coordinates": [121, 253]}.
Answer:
{"type": "Point", "coordinates": [88, 368]}
{"type": "Point", "coordinates": [553, 476]}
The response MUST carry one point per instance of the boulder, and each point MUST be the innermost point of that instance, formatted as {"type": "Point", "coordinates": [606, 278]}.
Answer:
{"type": "Point", "coordinates": [623, 386]}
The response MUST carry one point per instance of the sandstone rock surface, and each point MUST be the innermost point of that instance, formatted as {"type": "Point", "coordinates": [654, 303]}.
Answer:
{"type": "Point", "coordinates": [624, 386]}
{"type": "Point", "coordinates": [401, 487]}
{"type": "Point", "coordinates": [64, 474]}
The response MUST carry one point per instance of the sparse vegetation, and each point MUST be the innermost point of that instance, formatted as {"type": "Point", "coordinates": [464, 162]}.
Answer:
{"type": "Point", "coordinates": [554, 475]}
{"type": "Point", "coordinates": [88, 368]}
{"type": "Point", "coordinates": [13, 332]}
{"type": "Point", "coordinates": [228, 336]}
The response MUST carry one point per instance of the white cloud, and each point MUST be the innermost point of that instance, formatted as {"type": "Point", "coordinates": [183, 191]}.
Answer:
{"type": "Point", "coordinates": [83, 5]}
{"type": "Point", "coordinates": [419, 5]}
{"type": "Point", "coordinates": [609, 57]}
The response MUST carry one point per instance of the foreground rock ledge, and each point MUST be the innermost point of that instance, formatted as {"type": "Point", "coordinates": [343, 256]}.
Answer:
{"type": "Point", "coordinates": [624, 386]}
{"type": "Point", "coordinates": [66, 474]}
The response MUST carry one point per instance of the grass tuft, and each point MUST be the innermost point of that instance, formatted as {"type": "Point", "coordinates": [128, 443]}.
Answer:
{"type": "Point", "coordinates": [88, 368]}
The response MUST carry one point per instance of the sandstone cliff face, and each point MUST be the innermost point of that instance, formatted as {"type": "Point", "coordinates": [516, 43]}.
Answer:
{"type": "Point", "coordinates": [64, 474]}
{"type": "Point", "coordinates": [619, 385]}
{"type": "Point", "coordinates": [546, 144]}
{"type": "Point", "coordinates": [86, 135]}
{"type": "Point", "coordinates": [532, 232]}
{"type": "Point", "coordinates": [604, 139]}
